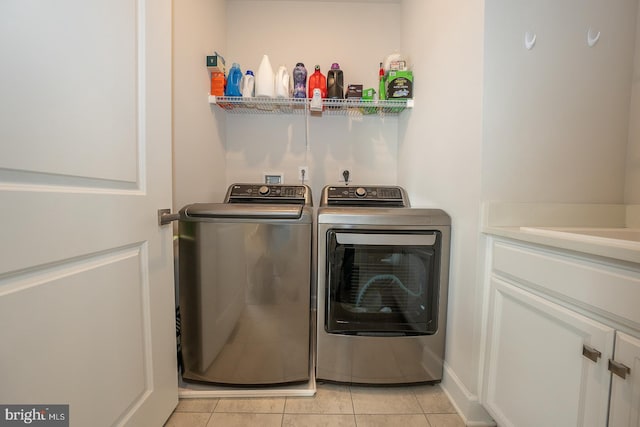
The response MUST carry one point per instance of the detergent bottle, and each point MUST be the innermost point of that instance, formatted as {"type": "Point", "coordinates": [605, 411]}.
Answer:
{"type": "Point", "coordinates": [233, 81]}
{"type": "Point", "coordinates": [218, 82]}
{"type": "Point", "coordinates": [265, 79]}
{"type": "Point", "coordinates": [248, 84]}
{"type": "Point", "coordinates": [282, 82]}
{"type": "Point", "coordinates": [335, 84]}
{"type": "Point", "coordinates": [299, 81]}
{"type": "Point", "coordinates": [317, 80]}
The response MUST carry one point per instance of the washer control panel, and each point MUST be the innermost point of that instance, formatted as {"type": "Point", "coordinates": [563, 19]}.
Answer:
{"type": "Point", "coordinates": [268, 193]}
{"type": "Point", "coordinates": [365, 196]}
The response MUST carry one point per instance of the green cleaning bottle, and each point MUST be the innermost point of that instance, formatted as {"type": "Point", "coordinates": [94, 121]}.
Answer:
{"type": "Point", "coordinates": [382, 91]}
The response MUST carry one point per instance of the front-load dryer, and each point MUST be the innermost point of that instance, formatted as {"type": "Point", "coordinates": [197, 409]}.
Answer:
{"type": "Point", "coordinates": [382, 285]}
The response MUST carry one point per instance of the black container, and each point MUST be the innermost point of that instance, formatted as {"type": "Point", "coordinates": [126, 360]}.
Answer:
{"type": "Point", "coordinates": [335, 82]}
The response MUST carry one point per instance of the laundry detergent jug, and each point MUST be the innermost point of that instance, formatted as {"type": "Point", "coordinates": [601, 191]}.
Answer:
{"type": "Point", "coordinates": [248, 85]}
{"type": "Point", "coordinates": [317, 80]}
{"type": "Point", "coordinates": [335, 85]}
{"type": "Point", "coordinates": [282, 82]}
{"type": "Point", "coordinates": [264, 79]}
{"type": "Point", "coordinates": [233, 81]}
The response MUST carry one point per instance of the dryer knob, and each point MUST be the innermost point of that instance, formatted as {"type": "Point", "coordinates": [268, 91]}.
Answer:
{"type": "Point", "coordinates": [361, 192]}
{"type": "Point", "coordinates": [264, 190]}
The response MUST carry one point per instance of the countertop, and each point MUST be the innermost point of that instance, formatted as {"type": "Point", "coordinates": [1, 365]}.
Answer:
{"type": "Point", "coordinates": [610, 231]}
{"type": "Point", "coordinates": [572, 239]}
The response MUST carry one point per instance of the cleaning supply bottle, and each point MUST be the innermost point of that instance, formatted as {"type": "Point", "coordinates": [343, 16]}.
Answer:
{"type": "Point", "coordinates": [282, 82]}
{"type": "Point", "coordinates": [265, 79]}
{"type": "Point", "coordinates": [317, 80]}
{"type": "Point", "coordinates": [382, 90]}
{"type": "Point", "coordinates": [217, 83]}
{"type": "Point", "coordinates": [299, 81]}
{"type": "Point", "coordinates": [248, 85]}
{"type": "Point", "coordinates": [233, 81]}
{"type": "Point", "coordinates": [335, 85]}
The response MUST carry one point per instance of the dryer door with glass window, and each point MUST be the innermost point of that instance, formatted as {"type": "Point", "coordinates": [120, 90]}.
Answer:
{"type": "Point", "coordinates": [382, 283]}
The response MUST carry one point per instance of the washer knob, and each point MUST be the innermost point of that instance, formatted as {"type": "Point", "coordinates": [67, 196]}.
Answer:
{"type": "Point", "coordinates": [264, 190]}
{"type": "Point", "coordinates": [361, 192]}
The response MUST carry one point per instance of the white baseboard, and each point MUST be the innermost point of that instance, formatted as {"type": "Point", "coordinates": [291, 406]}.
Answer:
{"type": "Point", "coordinates": [465, 402]}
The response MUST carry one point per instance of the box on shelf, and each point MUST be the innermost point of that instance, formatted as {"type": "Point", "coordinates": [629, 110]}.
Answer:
{"type": "Point", "coordinates": [354, 92]}
{"type": "Point", "coordinates": [215, 64]}
{"type": "Point", "coordinates": [368, 94]}
{"type": "Point", "coordinates": [400, 85]}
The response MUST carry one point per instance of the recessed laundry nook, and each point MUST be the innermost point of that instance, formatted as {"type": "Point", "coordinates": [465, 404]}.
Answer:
{"type": "Point", "coordinates": [336, 212]}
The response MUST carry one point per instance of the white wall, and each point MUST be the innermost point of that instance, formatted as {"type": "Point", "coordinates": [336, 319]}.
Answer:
{"type": "Point", "coordinates": [259, 144]}
{"type": "Point", "coordinates": [439, 160]}
{"type": "Point", "coordinates": [312, 32]}
{"type": "Point", "coordinates": [632, 181]}
{"type": "Point", "coordinates": [198, 133]}
{"type": "Point", "coordinates": [556, 116]}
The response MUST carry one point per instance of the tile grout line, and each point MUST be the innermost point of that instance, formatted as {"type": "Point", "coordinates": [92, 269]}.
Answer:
{"type": "Point", "coordinates": [284, 411]}
{"type": "Point", "coordinates": [415, 396]}
{"type": "Point", "coordinates": [353, 407]}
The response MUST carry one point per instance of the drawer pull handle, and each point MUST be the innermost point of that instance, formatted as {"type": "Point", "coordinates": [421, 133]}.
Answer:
{"type": "Point", "coordinates": [591, 353]}
{"type": "Point", "coordinates": [619, 369]}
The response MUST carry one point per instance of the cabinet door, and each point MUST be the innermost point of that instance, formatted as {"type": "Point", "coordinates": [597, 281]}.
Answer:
{"type": "Point", "coordinates": [536, 372]}
{"type": "Point", "coordinates": [625, 393]}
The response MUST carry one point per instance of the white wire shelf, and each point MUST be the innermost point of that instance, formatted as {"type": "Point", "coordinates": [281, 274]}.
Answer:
{"type": "Point", "coordinates": [332, 107]}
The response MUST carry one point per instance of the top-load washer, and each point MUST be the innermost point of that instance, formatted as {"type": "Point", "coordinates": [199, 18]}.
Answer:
{"type": "Point", "coordinates": [382, 287]}
{"type": "Point", "coordinates": [245, 284]}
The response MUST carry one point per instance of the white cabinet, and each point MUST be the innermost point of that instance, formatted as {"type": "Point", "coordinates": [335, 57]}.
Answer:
{"type": "Point", "coordinates": [625, 392]}
{"type": "Point", "coordinates": [537, 374]}
{"type": "Point", "coordinates": [554, 337]}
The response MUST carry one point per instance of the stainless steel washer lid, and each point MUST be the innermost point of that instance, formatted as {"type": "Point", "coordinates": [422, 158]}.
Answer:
{"type": "Point", "coordinates": [246, 211]}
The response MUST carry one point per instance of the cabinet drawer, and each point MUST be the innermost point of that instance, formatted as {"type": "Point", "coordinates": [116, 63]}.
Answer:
{"type": "Point", "coordinates": [607, 288]}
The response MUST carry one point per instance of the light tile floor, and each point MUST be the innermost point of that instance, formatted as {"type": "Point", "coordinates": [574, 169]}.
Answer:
{"type": "Point", "coordinates": [332, 406]}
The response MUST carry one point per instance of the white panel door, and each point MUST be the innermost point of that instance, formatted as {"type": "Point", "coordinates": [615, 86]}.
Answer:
{"type": "Point", "coordinates": [625, 393]}
{"type": "Point", "coordinates": [86, 274]}
{"type": "Point", "coordinates": [537, 375]}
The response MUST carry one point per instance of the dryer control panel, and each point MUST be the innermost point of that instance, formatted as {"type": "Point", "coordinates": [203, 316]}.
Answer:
{"type": "Point", "coordinates": [365, 195]}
